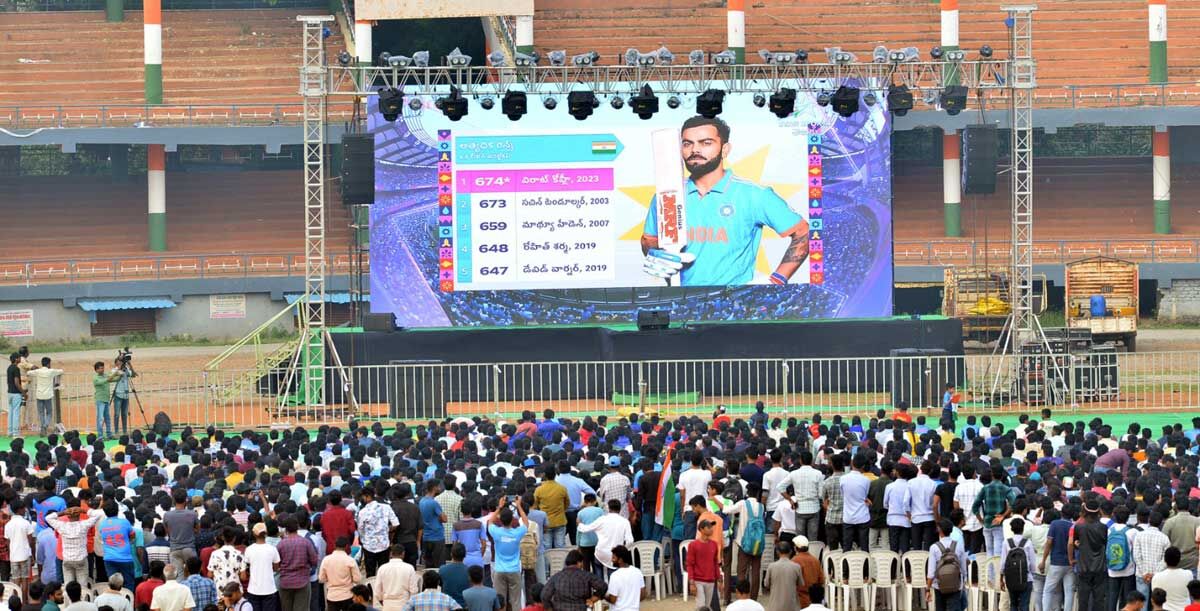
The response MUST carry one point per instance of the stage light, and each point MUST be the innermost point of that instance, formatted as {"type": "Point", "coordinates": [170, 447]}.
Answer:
{"type": "Point", "coordinates": [454, 106]}
{"type": "Point", "coordinates": [985, 51]}
{"type": "Point", "coordinates": [617, 103]}
{"type": "Point", "coordinates": [899, 99]}
{"type": "Point", "coordinates": [391, 103]}
{"type": "Point", "coordinates": [580, 104]}
{"type": "Point", "coordinates": [760, 100]}
{"type": "Point", "coordinates": [415, 104]}
{"type": "Point", "coordinates": [911, 54]}
{"type": "Point", "coordinates": [633, 57]}
{"type": "Point", "coordinates": [399, 61]}
{"type": "Point", "coordinates": [801, 55]}
{"type": "Point", "coordinates": [496, 59]}
{"type": "Point", "coordinates": [696, 57]}
{"type": "Point", "coordinates": [838, 56]}
{"type": "Point", "coordinates": [869, 98]}
{"type": "Point", "coordinates": [955, 56]}
{"type": "Point", "coordinates": [665, 56]}
{"type": "Point", "coordinates": [487, 103]}
{"type": "Point", "coordinates": [845, 101]}
{"type": "Point", "coordinates": [953, 99]}
{"type": "Point", "coordinates": [558, 58]}
{"type": "Point", "coordinates": [525, 60]}
{"type": "Point", "coordinates": [673, 102]}
{"type": "Point", "coordinates": [724, 58]}
{"type": "Point", "coordinates": [384, 58]}
{"type": "Point", "coordinates": [585, 59]}
{"type": "Point", "coordinates": [783, 102]}
{"type": "Point", "coordinates": [645, 103]}
{"type": "Point", "coordinates": [458, 59]}
{"type": "Point", "coordinates": [420, 59]}
{"type": "Point", "coordinates": [549, 103]}
{"type": "Point", "coordinates": [936, 53]}
{"type": "Point", "coordinates": [513, 105]}
{"type": "Point", "coordinates": [709, 104]}
{"type": "Point", "coordinates": [344, 58]}
{"type": "Point", "coordinates": [823, 98]}
{"type": "Point", "coordinates": [896, 57]}
{"type": "Point", "coordinates": [880, 55]}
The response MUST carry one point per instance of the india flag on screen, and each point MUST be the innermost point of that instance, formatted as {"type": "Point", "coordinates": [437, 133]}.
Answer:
{"type": "Point", "coordinates": [604, 147]}
{"type": "Point", "coordinates": [664, 507]}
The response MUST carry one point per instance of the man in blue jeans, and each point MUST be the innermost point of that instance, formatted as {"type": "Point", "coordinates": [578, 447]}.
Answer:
{"type": "Point", "coordinates": [1059, 576]}
{"type": "Point", "coordinates": [102, 383]}
{"type": "Point", "coordinates": [120, 402]}
{"type": "Point", "coordinates": [15, 390]}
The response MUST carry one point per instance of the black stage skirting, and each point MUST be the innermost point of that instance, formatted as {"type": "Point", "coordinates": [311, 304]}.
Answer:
{"type": "Point", "coordinates": [441, 366]}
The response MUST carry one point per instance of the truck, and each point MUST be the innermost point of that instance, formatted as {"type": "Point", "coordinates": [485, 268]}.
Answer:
{"type": "Point", "coordinates": [979, 297]}
{"type": "Point", "coordinates": [1102, 296]}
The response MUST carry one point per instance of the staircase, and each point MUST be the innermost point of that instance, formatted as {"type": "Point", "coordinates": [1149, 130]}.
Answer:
{"type": "Point", "coordinates": [229, 386]}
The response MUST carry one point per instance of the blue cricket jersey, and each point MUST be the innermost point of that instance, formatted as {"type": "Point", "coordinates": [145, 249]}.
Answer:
{"type": "Point", "coordinates": [725, 229]}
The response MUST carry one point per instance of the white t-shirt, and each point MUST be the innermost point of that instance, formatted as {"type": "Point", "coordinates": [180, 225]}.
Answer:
{"type": "Point", "coordinates": [1174, 582]}
{"type": "Point", "coordinates": [261, 558]}
{"type": "Point", "coordinates": [17, 532]}
{"type": "Point", "coordinates": [693, 482]}
{"type": "Point", "coordinates": [626, 584]}
{"type": "Point", "coordinates": [172, 596]}
{"type": "Point", "coordinates": [744, 605]}
{"type": "Point", "coordinates": [786, 516]}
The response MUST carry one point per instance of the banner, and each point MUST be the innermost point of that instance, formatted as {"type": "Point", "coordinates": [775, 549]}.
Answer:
{"type": "Point", "coordinates": [16, 323]}
{"type": "Point", "coordinates": [226, 306]}
{"type": "Point", "coordinates": [548, 219]}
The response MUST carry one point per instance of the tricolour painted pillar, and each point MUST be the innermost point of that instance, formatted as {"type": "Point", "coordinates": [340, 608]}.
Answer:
{"type": "Point", "coordinates": [114, 10]}
{"type": "Point", "coordinates": [952, 183]}
{"type": "Point", "coordinates": [950, 36]}
{"type": "Point", "coordinates": [525, 34]}
{"type": "Point", "coordinates": [736, 21]}
{"type": "Point", "coordinates": [1158, 41]}
{"type": "Point", "coordinates": [1162, 181]}
{"type": "Point", "coordinates": [152, 49]}
{"type": "Point", "coordinates": [156, 182]}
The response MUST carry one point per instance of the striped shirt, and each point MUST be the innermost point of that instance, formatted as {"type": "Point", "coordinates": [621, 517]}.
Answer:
{"type": "Point", "coordinates": [806, 486]}
{"type": "Point", "coordinates": [1148, 548]}
{"type": "Point", "coordinates": [831, 492]}
{"type": "Point", "coordinates": [965, 495]}
{"type": "Point", "coordinates": [451, 504]}
{"type": "Point", "coordinates": [615, 486]}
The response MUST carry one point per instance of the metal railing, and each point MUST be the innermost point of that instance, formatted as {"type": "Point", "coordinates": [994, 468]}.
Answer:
{"type": "Point", "coordinates": [168, 267]}
{"type": "Point", "coordinates": [170, 5]}
{"type": "Point", "coordinates": [997, 385]}
{"type": "Point", "coordinates": [970, 252]}
{"type": "Point", "coordinates": [39, 116]}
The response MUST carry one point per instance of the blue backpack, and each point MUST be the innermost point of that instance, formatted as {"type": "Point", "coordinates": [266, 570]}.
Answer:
{"type": "Point", "coordinates": [755, 534]}
{"type": "Point", "coordinates": [1116, 551]}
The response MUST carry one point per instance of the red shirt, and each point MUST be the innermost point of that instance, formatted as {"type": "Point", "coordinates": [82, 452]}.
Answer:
{"type": "Point", "coordinates": [336, 522]}
{"type": "Point", "coordinates": [145, 592]}
{"type": "Point", "coordinates": [80, 457]}
{"type": "Point", "coordinates": [717, 422]}
{"type": "Point", "coordinates": [703, 560]}
{"type": "Point", "coordinates": [1192, 607]}
{"type": "Point", "coordinates": [205, 554]}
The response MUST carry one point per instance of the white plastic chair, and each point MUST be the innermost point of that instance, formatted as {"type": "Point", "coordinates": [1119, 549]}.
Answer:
{"type": "Point", "coordinates": [683, 566]}
{"type": "Point", "coordinates": [128, 594]}
{"type": "Point", "coordinates": [817, 549]}
{"type": "Point", "coordinates": [915, 568]}
{"type": "Point", "coordinates": [854, 575]}
{"type": "Point", "coordinates": [768, 555]}
{"type": "Point", "coordinates": [885, 575]}
{"type": "Point", "coordinates": [990, 588]}
{"type": "Point", "coordinates": [11, 589]}
{"type": "Point", "coordinates": [976, 581]}
{"type": "Point", "coordinates": [832, 564]}
{"type": "Point", "coordinates": [644, 553]}
{"type": "Point", "coordinates": [557, 558]}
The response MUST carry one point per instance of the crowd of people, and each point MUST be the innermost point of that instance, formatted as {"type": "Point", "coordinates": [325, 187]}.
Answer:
{"type": "Point", "coordinates": [460, 513]}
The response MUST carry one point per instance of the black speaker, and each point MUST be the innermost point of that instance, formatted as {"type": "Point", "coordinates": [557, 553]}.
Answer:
{"type": "Point", "coordinates": [653, 320]}
{"type": "Point", "coordinates": [917, 379]}
{"type": "Point", "coordinates": [358, 169]}
{"type": "Point", "coordinates": [379, 322]}
{"type": "Point", "coordinates": [979, 159]}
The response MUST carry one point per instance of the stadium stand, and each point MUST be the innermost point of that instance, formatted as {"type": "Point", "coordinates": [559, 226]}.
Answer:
{"type": "Point", "coordinates": [209, 57]}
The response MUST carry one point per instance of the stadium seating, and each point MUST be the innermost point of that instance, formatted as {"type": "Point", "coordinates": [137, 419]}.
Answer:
{"type": "Point", "coordinates": [229, 213]}
{"type": "Point", "coordinates": [209, 57]}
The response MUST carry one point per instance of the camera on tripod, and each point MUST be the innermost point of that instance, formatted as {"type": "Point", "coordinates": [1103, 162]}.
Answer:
{"type": "Point", "coordinates": [124, 356]}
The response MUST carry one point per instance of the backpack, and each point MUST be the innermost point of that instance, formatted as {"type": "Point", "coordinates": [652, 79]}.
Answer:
{"type": "Point", "coordinates": [1116, 550]}
{"type": "Point", "coordinates": [1016, 567]}
{"type": "Point", "coordinates": [948, 571]}
{"type": "Point", "coordinates": [756, 532]}
{"type": "Point", "coordinates": [529, 550]}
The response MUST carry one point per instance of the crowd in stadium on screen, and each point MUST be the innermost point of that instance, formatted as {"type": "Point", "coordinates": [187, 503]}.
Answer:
{"type": "Point", "coordinates": [463, 513]}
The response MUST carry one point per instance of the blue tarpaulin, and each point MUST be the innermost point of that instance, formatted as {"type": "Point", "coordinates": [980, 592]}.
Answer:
{"type": "Point", "coordinates": [121, 303]}
{"type": "Point", "coordinates": [330, 297]}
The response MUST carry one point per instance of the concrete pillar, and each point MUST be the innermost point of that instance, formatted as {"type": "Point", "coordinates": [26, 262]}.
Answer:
{"type": "Point", "coordinates": [950, 36]}
{"type": "Point", "coordinates": [1158, 41]}
{"type": "Point", "coordinates": [114, 10]}
{"type": "Point", "coordinates": [1162, 181]}
{"type": "Point", "coordinates": [952, 183]}
{"type": "Point", "coordinates": [118, 160]}
{"type": "Point", "coordinates": [152, 49]}
{"type": "Point", "coordinates": [525, 34]}
{"type": "Point", "coordinates": [156, 196]}
{"type": "Point", "coordinates": [736, 19]}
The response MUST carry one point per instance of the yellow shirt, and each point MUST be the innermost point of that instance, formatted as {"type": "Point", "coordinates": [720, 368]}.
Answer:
{"type": "Point", "coordinates": [552, 498]}
{"type": "Point", "coordinates": [234, 479]}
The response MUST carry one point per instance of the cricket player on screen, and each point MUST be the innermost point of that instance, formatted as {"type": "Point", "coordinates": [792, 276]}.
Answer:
{"type": "Point", "coordinates": [725, 215]}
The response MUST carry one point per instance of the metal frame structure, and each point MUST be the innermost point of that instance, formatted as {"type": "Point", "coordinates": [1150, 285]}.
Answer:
{"type": "Point", "coordinates": [1023, 81]}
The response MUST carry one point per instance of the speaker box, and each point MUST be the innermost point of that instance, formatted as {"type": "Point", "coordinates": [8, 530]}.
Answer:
{"type": "Point", "coordinates": [379, 322]}
{"type": "Point", "coordinates": [979, 159]}
{"type": "Point", "coordinates": [916, 380]}
{"type": "Point", "coordinates": [653, 320]}
{"type": "Point", "coordinates": [358, 169]}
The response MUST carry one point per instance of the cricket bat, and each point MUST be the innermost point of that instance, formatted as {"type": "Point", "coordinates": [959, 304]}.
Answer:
{"type": "Point", "coordinates": [669, 191]}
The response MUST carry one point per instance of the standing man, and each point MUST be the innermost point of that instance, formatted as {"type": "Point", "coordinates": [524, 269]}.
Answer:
{"type": "Point", "coordinates": [856, 506]}
{"type": "Point", "coordinates": [433, 536]}
{"type": "Point", "coordinates": [297, 559]}
{"type": "Point", "coordinates": [880, 540]}
{"type": "Point", "coordinates": [694, 481]}
{"type": "Point", "coordinates": [783, 580]}
{"type": "Point", "coordinates": [626, 586]}
{"type": "Point", "coordinates": [42, 379]}
{"type": "Point", "coordinates": [1121, 579]}
{"type": "Point", "coordinates": [451, 504]}
{"type": "Point", "coordinates": [612, 529]}
{"type": "Point", "coordinates": [920, 492]}
{"type": "Point", "coordinates": [171, 595]}
{"type": "Point", "coordinates": [898, 505]}
{"type": "Point", "coordinates": [704, 565]}
{"type": "Point", "coordinates": [770, 484]}
{"type": "Point", "coordinates": [831, 501]}
{"type": "Point", "coordinates": [339, 572]}
{"type": "Point", "coordinates": [573, 589]}
{"type": "Point", "coordinates": [507, 533]}
{"type": "Point", "coordinates": [746, 512]}
{"type": "Point", "coordinates": [964, 498]}
{"type": "Point", "coordinates": [1088, 543]}
{"type": "Point", "coordinates": [101, 384]}
{"type": "Point", "coordinates": [120, 401]}
{"type": "Point", "coordinates": [806, 495]}
{"type": "Point", "coordinates": [397, 582]}
{"type": "Point", "coordinates": [409, 531]}
{"type": "Point", "coordinates": [182, 524]}
{"type": "Point", "coordinates": [19, 532]}
{"type": "Point", "coordinates": [73, 531]}
{"type": "Point", "coordinates": [262, 562]}
{"type": "Point", "coordinates": [15, 391]}
{"type": "Point", "coordinates": [992, 507]}
{"type": "Point", "coordinates": [615, 486]}
{"type": "Point", "coordinates": [1181, 529]}
{"type": "Point", "coordinates": [376, 522]}
{"type": "Point", "coordinates": [553, 499]}
{"type": "Point", "coordinates": [576, 489]}
{"type": "Point", "coordinates": [1148, 549]}
{"type": "Point", "coordinates": [946, 596]}
{"type": "Point", "coordinates": [204, 591]}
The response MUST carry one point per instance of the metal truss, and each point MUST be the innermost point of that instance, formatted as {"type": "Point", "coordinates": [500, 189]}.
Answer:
{"type": "Point", "coordinates": [985, 74]}
{"type": "Point", "coordinates": [1023, 81]}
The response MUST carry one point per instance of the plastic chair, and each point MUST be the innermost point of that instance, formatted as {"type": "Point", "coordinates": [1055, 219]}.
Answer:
{"type": "Point", "coordinates": [128, 594]}
{"type": "Point", "coordinates": [990, 588]}
{"type": "Point", "coordinates": [11, 589]}
{"type": "Point", "coordinates": [644, 553]}
{"type": "Point", "coordinates": [915, 564]}
{"type": "Point", "coordinates": [557, 558]}
{"type": "Point", "coordinates": [768, 555]}
{"type": "Point", "coordinates": [817, 549]}
{"type": "Point", "coordinates": [854, 576]}
{"type": "Point", "coordinates": [885, 574]}
{"type": "Point", "coordinates": [832, 563]}
{"type": "Point", "coordinates": [976, 580]}
{"type": "Point", "coordinates": [683, 566]}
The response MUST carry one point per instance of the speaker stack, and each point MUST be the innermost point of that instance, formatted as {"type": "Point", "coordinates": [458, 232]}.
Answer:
{"type": "Point", "coordinates": [358, 169]}
{"type": "Point", "coordinates": [979, 159]}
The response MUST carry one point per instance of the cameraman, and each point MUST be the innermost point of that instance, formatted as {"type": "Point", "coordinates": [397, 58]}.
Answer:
{"type": "Point", "coordinates": [122, 372]}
